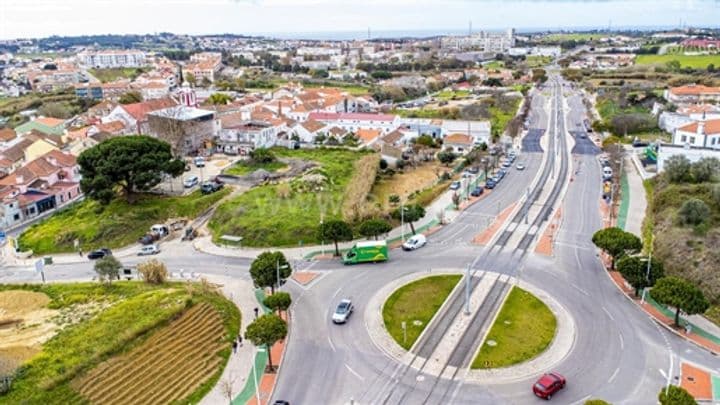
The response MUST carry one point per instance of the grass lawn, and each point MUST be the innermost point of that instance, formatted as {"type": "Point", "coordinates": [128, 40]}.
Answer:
{"type": "Point", "coordinates": [523, 329]}
{"type": "Point", "coordinates": [692, 61]}
{"type": "Point", "coordinates": [535, 61]}
{"type": "Point", "coordinates": [447, 95]}
{"type": "Point", "coordinates": [496, 64]}
{"type": "Point", "coordinates": [136, 313]}
{"type": "Point", "coordinates": [278, 215]}
{"type": "Point", "coordinates": [572, 36]}
{"type": "Point", "coordinates": [417, 301]}
{"type": "Point", "coordinates": [112, 74]}
{"type": "Point", "coordinates": [116, 225]}
{"type": "Point", "coordinates": [244, 167]}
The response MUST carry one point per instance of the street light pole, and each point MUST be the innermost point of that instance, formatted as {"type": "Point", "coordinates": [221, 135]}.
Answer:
{"type": "Point", "coordinates": [647, 273]}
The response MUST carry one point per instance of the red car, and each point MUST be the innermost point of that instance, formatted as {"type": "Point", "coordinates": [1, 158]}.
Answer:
{"type": "Point", "coordinates": [549, 384]}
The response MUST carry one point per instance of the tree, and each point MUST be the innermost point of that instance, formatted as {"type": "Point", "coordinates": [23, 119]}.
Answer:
{"type": "Point", "coordinates": [711, 68]}
{"type": "Point", "coordinates": [264, 269]}
{"type": "Point", "coordinates": [681, 295]}
{"type": "Point", "coordinates": [539, 75]}
{"type": "Point", "coordinates": [319, 74]}
{"type": "Point", "coordinates": [374, 227]}
{"type": "Point", "coordinates": [446, 157]}
{"type": "Point", "coordinates": [55, 110]}
{"type": "Point", "coordinates": [153, 271]}
{"type": "Point", "coordinates": [705, 169]}
{"type": "Point", "coordinates": [219, 99]}
{"type": "Point", "coordinates": [675, 396]}
{"type": "Point", "coordinates": [635, 270]}
{"type": "Point", "coordinates": [616, 243]}
{"type": "Point", "coordinates": [190, 78]}
{"type": "Point", "coordinates": [131, 97]}
{"type": "Point", "coordinates": [694, 212]}
{"type": "Point", "coordinates": [677, 168]}
{"type": "Point", "coordinates": [426, 140]}
{"type": "Point", "coordinates": [336, 231]}
{"type": "Point", "coordinates": [130, 163]}
{"type": "Point", "coordinates": [280, 301]}
{"type": "Point", "coordinates": [412, 213]}
{"type": "Point", "coordinates": [108, 268]}
{"type": "Point", "coordinates": [266, 330]}
{"type": "Point", "coordinates": [262, 155]}
{"type": "Point", "coordinates": [206, 82]}
{"type": "Point", "coordinates": [394, 199]}
{"type": "Point", "coordinates": [673, 66]}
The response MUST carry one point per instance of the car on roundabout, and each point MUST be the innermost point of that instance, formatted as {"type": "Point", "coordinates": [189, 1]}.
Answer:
{"type": "Point", "coordinates": [415, 242]}
{"type": "Point", "coordinates": [549, 384]}
{"type": "Point", "coordinates": [343, 311]}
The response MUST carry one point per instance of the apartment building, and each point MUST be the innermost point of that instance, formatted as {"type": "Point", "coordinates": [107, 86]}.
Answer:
{"type": "Point", "coordinates": [112, 58]}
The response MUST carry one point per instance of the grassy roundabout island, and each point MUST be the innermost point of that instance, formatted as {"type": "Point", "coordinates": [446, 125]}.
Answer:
{"type": "Point", "coordinates": [415, 304]}
{"type": "Point", "coordinates": [523, 329]}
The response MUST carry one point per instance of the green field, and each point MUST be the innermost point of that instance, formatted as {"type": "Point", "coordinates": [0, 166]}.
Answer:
{"type": "Point", "coordinates": [691, 61]}
{"type": "Point", "coordinates": [244, 167]}
{"type": "Point", "coordinates": [496, 64]}
{"type": "Point", "coordinates": [523, 329]}
{"type": "Point", "coordinates": [112, 74]}
{"type": "Point", "coordinates": [572, 37]}
{"type": "Point", "coordinates": [537, 61]}
{"type": "Point", "coordinates": [287, 214]}
{"type": "Point", "coordinates": [447, 95]}
{"type": "Point", "coordinates": [417, 301]}
{"type": "Point", "coordinates": [116, 225]}
{"type": "Point", "coordinates": [127, 314]}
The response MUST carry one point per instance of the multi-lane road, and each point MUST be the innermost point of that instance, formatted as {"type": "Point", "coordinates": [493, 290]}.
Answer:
{"type": "Point", "coordinates": [617, 351]}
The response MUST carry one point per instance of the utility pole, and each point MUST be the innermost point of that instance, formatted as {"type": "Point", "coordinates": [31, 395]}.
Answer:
{"type": "Point", "coordinates": [649, 263]}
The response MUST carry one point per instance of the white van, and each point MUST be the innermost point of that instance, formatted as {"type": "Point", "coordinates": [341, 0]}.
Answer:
{"type": "Point", "coordinates": [415, 242]}
{"type": "Point", "coordinates": [149, 250]}
{"type": "Point", "coordinates": [161, 230]}
{"type": "Point", "coordinates": [607, 173]}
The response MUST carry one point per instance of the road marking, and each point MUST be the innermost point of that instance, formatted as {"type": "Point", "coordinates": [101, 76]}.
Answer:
{"type": "Point", "coordinates": [580, 289]}
{"type": "Point", "coordinates": [336, 293]}
{"type": "Point", "coordinates": [354, 372]}
{"type": "Point", "coordinates": [612, 377]}
{"type": "Point", "coordinates": [332, 346]}
{"type": "Point", "coordinates": [622, 342]}
{"type": "Point", "coordinates": [608, 314]}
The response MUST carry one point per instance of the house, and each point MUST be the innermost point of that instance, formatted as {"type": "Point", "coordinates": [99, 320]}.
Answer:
{"type": "Point", "coordinates": [692, 153]}
{"type": "Point", "coordinates": [478, 130]}
{"type": "Point", "coordinates": [47, 125]}
{"type": "Point", "coordinates": [355, 121]}
{"type": "Point", "coordinates": [43, 184]}
{"type": "Point", "coordinates": [692, 94]}
{"type": "Point", "coordinates": [134, 116]}
{"type": "Point", "coordinates": [705, 134]}
{"type": "Point", "coordinates": [368, 137]}
{"type": "Point", "coordinates": [7, 137]}
{"type": "Point", "coordinates": [203, 65]}
{"type": "Point", "coordinates": [188, 130]}
{"type": "Point", "coordinates": [238, 136]}
{"type": "Point", "coordinates": [459, 143]}
{"type": "Point", "coordinates": [308, 130]}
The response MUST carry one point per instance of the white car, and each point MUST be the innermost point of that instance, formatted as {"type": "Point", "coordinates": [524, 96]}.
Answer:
{"type": "Point", "coordinates": [191, 181]}
{"type": "Point", "coordinates": [199, 161]}
{"type": "Point", "coordinates": [415, 242]}
{"type": "Point", "coordinates": [149, 250]}
{"type": "Point", "coordinates": [343, 311]}
{"type": "Point", "coordinates": [520, 166]}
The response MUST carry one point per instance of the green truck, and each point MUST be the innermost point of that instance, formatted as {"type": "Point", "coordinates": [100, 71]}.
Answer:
{"type": "Point", "coordinates": [363, 252]}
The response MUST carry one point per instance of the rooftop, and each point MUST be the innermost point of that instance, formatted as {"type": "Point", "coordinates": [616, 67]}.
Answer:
{"type": "Point", "coordinates": [182, 113]}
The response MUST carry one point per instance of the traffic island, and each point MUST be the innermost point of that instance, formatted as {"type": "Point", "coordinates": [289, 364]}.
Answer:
{"type": "Point", "coordinates": [522, 330]}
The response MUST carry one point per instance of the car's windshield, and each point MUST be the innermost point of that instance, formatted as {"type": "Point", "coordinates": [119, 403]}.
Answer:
{"type": "Point", "coordinates": [342, 308]}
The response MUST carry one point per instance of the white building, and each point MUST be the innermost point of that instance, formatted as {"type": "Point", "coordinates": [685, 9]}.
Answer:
{"type": "Point", "coordinates": [693, 154]}
{"type": "Point", "coordinates": [692, 94]}
{"type": "Point", "coordinates": [353, 122]}
{"type": "Point", "coordinates": [703, 134]}
{"type": "Point", "coordinates": [496, 42]}
{"type": "Point", "coordinates": [112, 58]}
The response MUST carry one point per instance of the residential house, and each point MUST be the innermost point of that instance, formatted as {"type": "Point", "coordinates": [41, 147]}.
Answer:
{"type": "Point", "coordinates": [46, 125]}
{"type": "Point", "coordinates": [238, 136]}
{"type": "Point", "coordinates": [8, 136]}
{"type": "Point", "coordinates": [308, 130]}
{"type": "Point", "coordinates": [705, 134]}
{"type": "Point", "coordinates": [134, 116]}
{"type": "Point", "coordinates": [692, 94]}
{"type": "Point", "coordinates": [367, 137]}
{"type": "Point", "coordinates": [355, 121]}
{"type": "Point", "coordinates": [204, 65]}
{"type": "Point", "coordinates": [459, 143]}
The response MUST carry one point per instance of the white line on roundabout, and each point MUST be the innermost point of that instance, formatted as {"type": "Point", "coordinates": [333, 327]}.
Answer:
{"type": "Point", "coordinates": [354, 372]}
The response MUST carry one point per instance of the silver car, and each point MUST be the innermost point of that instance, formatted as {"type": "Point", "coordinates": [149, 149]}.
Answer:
{"type": "Point", "coordinates": [343, 311]}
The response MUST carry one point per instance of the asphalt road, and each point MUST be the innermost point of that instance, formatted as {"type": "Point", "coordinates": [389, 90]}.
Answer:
{"type": "Point", "coordinates": [617, 353]}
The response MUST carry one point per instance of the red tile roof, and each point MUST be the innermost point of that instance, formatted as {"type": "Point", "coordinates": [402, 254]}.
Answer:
{"type": "Point", "coordinates": [367, 135]}
{"type": "Point", "coordinates": [139, 111]}
{"type": "Point", "coordinates": [458, 139]}
{"type": "Point", "coordinates": [327, 116]}
{"type": "Point", "coordinates": [49, 121]}
{"type": "Point", "coordinates": [694, 90]}
{"type": "Point", "coordinates": [7, 134]}
{"type": "Point", "coordinates": [711, 127]}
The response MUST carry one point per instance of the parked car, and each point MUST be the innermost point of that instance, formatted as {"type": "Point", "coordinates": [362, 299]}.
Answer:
{"type": "Point", "coordinates": [474, 170]}
{"type": "Point", "coordinates": [149, 238]}
{"type": "Point", "coordinates": [189, 234]}
{"type": "Point", "coordinates": [490, 184]}
{"type": "Point", "coordinates": [199, 161]}
{"type": "Point", "coordinates": [496, 178]}
{"type": "Point", "coordinates": [415, 242]}
{"type": "Point", "coordinates": [549, 384]}
{"type": "Point", "coordinates": [191, 181]}
{"type": "Point", "coordinates": [343, 311]}
{"type": "Point", "coordinates": [476, 192]}
{"type": "Point", "coordinates": [455, 185]}
{"type": "Point", "coordinates": [507, 163]}
{"type": "Point", "coordinates": [149, 250]}
{"type": "Point", "coordinates": [520, 166]}
{"type": "Point", "coordinates": [99, 253]}
{"type": "Point", "coordinates": [209, 187]}
{"type": "Point", "coordinates": [281, 402]}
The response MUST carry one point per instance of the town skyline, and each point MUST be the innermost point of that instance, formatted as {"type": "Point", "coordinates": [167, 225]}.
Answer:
{"type": "Point", "coordinates": [321, 19]}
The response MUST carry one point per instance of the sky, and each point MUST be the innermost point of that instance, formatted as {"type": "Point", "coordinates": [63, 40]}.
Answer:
{"type": "Point", "coordinates": [287, 18]}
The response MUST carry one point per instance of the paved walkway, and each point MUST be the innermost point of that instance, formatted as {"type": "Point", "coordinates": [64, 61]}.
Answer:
{"type": "Point", "coordinates": [637, 201]}
{"type": "Point", "coordinates": [239, 366]}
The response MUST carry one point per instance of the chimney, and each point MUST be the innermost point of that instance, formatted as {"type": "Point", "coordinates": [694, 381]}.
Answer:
{"type": "Point", "coordinates": [701, 128]}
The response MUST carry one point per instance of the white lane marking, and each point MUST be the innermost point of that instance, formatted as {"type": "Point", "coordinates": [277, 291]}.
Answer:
{"type": "Point", "coordinates": [580, 289]}
{"type": "Point", "coordinates": [337, 292]}
{"type": "Point", "coordinates": [332, 346]}
{"type": "Point", "coordinates": [354, 372]}
{"type": "Point", "coordinates": [622, 342]}
{"type": "Point", "coordinates": [612, 377]}
{"type": "Point", "coordinates": [608, 314]}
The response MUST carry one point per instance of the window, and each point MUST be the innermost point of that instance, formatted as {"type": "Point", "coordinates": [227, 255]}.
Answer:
{"type": "Point", "coordinates": [692, 139]}
{"type": "Point", "coordinates": [16, 217]}
{"type": "Point", "coordinates": [683, 138]}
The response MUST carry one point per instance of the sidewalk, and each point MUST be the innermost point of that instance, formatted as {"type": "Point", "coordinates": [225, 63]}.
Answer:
{"type": "Point", "coordinates": [631, 214]}
{"type": "Point", "coordinates": [239, 366]}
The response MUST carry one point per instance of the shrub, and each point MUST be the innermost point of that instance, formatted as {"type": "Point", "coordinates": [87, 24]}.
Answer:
{"type": "Point", "coordinates": [694, 212]}
{"type": "Point", "coordinates": [705, 169]}
{"type": "Point", "coordinates": [359, 186]}
{"type": "Point", "coordinates": [677, 169]}
{"type": "Point", "coordinates": [675, 396]}
{"type": "Point", "coordinates": [153, 271]}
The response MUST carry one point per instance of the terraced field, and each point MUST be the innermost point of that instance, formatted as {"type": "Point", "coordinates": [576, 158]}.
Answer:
{"type": "Point", "coordinates": [168, 367]}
